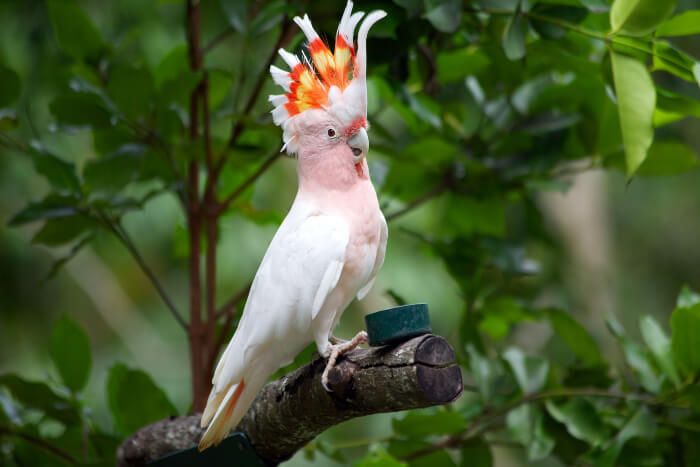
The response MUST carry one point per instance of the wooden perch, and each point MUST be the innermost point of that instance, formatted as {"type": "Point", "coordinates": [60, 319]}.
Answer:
{"type": "Point", "coordinates": [294, 409]}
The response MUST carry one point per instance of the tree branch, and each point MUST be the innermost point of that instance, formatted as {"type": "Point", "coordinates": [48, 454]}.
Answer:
{"type": "Point", "coordinates": [434, 193]}
{"type": "Point", "coordinates": [39, 442]}
{"type": "Point", "coordinates": [249, 181]}
{"type": "Point", "coordinates": [294, 409]}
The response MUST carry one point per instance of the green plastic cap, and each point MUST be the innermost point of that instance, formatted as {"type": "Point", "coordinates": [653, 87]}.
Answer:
{"type": "Point", "coordinates": [397, 324]}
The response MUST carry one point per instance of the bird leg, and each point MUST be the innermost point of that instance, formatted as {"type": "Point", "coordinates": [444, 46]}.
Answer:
{"type": "Point", "coordinates": [336, 340]}
{"type": "Point", "coordinates": [339, 349]}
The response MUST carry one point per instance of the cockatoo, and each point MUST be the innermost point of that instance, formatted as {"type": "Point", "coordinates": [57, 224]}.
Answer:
{"type": "Point", "coordinates": [331, 244]}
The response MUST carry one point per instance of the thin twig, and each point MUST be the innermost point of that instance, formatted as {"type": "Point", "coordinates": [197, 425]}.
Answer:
{"type": "Point", "coordinates": [217, 39]}
{"type": "Point", "coordinates": [435, 192]}
{"type": "Point", "coordinates": [249, 181]}
{"type": "Point", "coordinates": [39, 442]}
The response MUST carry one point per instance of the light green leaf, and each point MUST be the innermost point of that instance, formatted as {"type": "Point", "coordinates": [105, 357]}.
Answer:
{"type": "Point", "coordinates": [683, 24]}
{"type": "Point", "coordinates": [575, 336]}
{"type": "Point", "coordinates": [530, 372]}
{"type": "Point", "coordinates": [640, 424]}
{"type": "Point", "coordinates": [420, 425]}
{"type": "Point", "coordinates": [636, 99]}
{"type": "Point", "coordinates": [639, 17]}
{"type": "Point", "coordinates": [444, 15]}
{"type": "Point", "coordinates": [457, 64]}
{"type": "Point", "coordinates": [236, 13]}
{"type": "Point", "coordinates": [668, 158]}
{"type": "Point", "coordinates": [635, 356]}
{"type": "Point", "coordinates": [526, 425]}
{"type": "Point", "coordinates": [685, 325]}
{"type": "Point", "coordinates": [10, 86]}
{"type": "Point", "coordinates": [378, 457]}
{"type": "Point", "coordinates": [485, 372]}
{"type": "Point", "coordinates": [69, 348]}
{"type": "Point", "coordinates": [75, 32]}
{"type": "Point", "coordinates": [687, 297]}
{"type": "Point", "coordinates": [581, 420]}
{"type": "Point", "coordinates": [135, 400]}
{"type": "Point", "coordinates": [660, 345]}
{"type": "Point", "coordinates": [671, 106]}
{"type": "Point", "coordinates": [669, 58]}
{"type": "Point", "coordinates": [696, 72]}
{"type": "Point", "coordinates": [514, 37]}
{"type": "Point", "coordinates": [596, 6]}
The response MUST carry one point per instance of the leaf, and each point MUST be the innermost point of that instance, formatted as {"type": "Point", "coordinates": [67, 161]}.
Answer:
{"type": "Point", "coordinates": [514, 37]}
{"type": "Point", "coordinates": [668, 158]}
{"type": "Point", "coordinates": [671, 106]}
{"type": "Point", "coordinates": [567, 14]}
{"type": "Point", "coordinates": [51, 207]}
{"type": "Point", "coordinates": [59, 173]}
{"type": "Point", "coordinates": [236, 13]}
{"type": "Point", "coordinates": [640, 424]}
{"type": "Point", "coordinates": [8, 120]}
{"type": "Point", "coordinates": [685, 325]}
{"type": "Point", "coordinates": [132, 89]}
{"type": "Point", "coordinates": [80, 109]}
{"type": "Point", "coordinates": [41, 396]}
{"type": "Point", "coordinates": [220, 82]}
{"type": "Point", "coordinates": [269, 17]}
{"type": "Point", "coordinates": [75, 249]}
{"type": "Point", "coordinates": [581, 420]}
{"type": "Point", "coordinates": [639, 17]}
{"type": "Point", "coordinates": [444, 15]}
{"type": "Point", "coordinates": [420, 425]}
{"type": "Point", "coordinates": [476, 453]}
{"type": "Point", "coordinates": [683, 24]}
{"type": "Point", "coordinates": [378, 457]}
{"type": "Point", "coordinates": [660, 345]}
{"type": "Point", "coordinates": [468, 216]}
{"type": "Point", "coordinates": [62, 230]}
{"type": "Point", "coordinates": [69, 349]}
{"type": "Point", "coordinates": [11, 87]}
{"type": "Point", "coordinates": [696, 72]}
{"type": "Point", "coordinates": [112, 173]}
{"type": "Point", "coordinates": [636, 98]}
{"type": "Point", "coordinates": [530, 372]}
{"type": "Point", "coordinates": [671, 59]}
{"type": "Point", "coordinates": [635, 356]}
{"type": "Point", "coordinates": [526, 425]}
{"type": "Point", "coordinates": [75, 33]}
{"type": "Point", "coordinates": [575, 336]}
{"type": "Point", "coordinates": [135, 400]}
{"type": "Point", "coordinates": [457, 64]}
{"type": "Point", "coordinates": [175, 62]}
{"type": "Point", "coordinates": [687, 297]}
{"type": "Point", "coordinates": [499, 314]}
{"type": "Point", "coordinates": [596, 6]}
{"type": "Point", "coordinates": [484, 371]}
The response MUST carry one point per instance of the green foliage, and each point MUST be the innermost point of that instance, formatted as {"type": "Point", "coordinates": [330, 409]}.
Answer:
{"type": "Point", "coordinates": [70, 351]}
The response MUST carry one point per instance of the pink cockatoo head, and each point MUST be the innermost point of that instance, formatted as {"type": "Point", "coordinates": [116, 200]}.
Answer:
{"type": "Point", "coordinates": [324, 110]}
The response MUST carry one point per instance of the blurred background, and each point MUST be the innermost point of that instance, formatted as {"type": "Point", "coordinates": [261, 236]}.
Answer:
{"type": "Point", "coordinates": [604, 244]}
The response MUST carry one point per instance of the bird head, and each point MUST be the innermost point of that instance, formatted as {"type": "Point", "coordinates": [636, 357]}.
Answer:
{"type": "Point", "coordinates": [324, 107]}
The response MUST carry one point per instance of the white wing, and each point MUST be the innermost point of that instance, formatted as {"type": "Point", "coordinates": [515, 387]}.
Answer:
{"type": "Point", "coordinates": [299, 270]}
{"type": "Point", "coordinates": [378, 261]}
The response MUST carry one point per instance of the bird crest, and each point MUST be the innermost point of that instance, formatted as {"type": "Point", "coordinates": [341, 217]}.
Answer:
{"type": "Point", "coordinates": [334, 82]}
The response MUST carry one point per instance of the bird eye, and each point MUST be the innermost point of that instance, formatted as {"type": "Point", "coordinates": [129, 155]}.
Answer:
{"type": "Point", "coordinates": [331, 132]}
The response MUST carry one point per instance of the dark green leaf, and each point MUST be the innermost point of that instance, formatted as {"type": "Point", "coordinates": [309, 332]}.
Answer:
{"type": "Point", "coordinates": [671, 106]}
{"type": "Point", "coordinates": [51, 207]}
{"type": "Point", "coordinates": [457, 64]}
{"type": "Point", "coordinates": [636, 99]}
{"type": "Point", "coordinates": [499, 314]}
{"type": "Point", "coordinates": [685, 324]}
{"type": "Point", "coordinates": [683, 24]}
{"type": "Point", "coordinates": [236, 13]}
{"type": "Point", "coordinates": [62, 230]}
{"type": "Point", "coordinates": [549, 29]}
{"type": "Point", "coordinates": [69, 348]}
{"type": "Point", "coordinates": [639, 17]}
{"type": "Point", "coordinates": [131, 413]}
{"type": "Point", "coordinates": [40, 396]}
{"type": "Point", "coordinates": [114, 172]}
{"type": "Point", "coordinates": [596, 6]}
{"type": "Point", "coordinates": [476, 453]}
{"type": "Point", "coordinates": [575, 336]}
{"type": "Point", "coordinates": [444, 15]}
{"type": "Point", "coordinates": [514, 37]}
{"type": "Point", "coordinates": [530, 371]}
{"type": "Point", "coordinates": [660, 345]}
{"type": "Point", "coordinates": [74, 250]}
{"type": "Point", "coordinates": [420, 425]}
{"type": "Point", "coordinates": [219, 86]}
{"type": "Point", "coordinates": [11, 86]}
{"type": "Point", "coordinates": [269, 17]}
{"type": "Point", "coordinates": [581, 420]}
{"type": "Point", "coordinates": [75, 33]}
{"type": "Point", "coordinates": [172, 65]}
{"type": "Point", "coordinates": [668, 158]}
{"type": "Point", "coordinates": [80, 109]}
{"type": "Point", "coordinates": [481, 216]}
{"type": "Point", "coordinates": [8, 120]}
{"type": "Point", "coordinates": [526, 425]}
{"type": "Point", "coordinates": [669, 58]}
{"type": "Point", "coordinates": [131, 89]}
{"type": "Point", "coordinates": [59, 173]}
{"type": "Point", "coordinates": [635, 356]}
{"type": "Point", "coordinates": [640, 424]}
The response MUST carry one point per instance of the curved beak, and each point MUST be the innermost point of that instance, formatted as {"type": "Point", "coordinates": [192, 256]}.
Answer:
{"type": "Point", "coordinates": [359, 144]}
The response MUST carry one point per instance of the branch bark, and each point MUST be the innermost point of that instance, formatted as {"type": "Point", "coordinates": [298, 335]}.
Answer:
{"type": "Point", "coordinates": [294, 409]}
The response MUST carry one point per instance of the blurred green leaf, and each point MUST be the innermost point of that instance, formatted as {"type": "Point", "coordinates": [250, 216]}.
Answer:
{"type": "Point", "coordinates": [685, 325]}
{"type": "Point", "coordinates": [635, 356]}
{"type": "Point", "coordinates": [220, 82]}
{"type": "Point", "coordinates": [683, 24]}
{"type": "Point", "coordinates": [269, 17]}
{"type": "Point", "coordinates": [378, 457]}
{"type": "Point", "coordinates": [62, 230]}
{"type": "Point", "coordinates": [499, 313]}
{"type": "Point", "coordinates": [581, 420]}
{"type": "Point", "coordinates": [132, 89]}
{"type": "Point", "coordinates": [639, 424]}
{"type": "Point", "coordinates": [671, 106]}
{"type": "Point", "coordinates": [444, 15]}
{"type": "Point", "coordinates": [530, 371]}
{"type": "Point", "coordinates": [596, 6]}
{"type": "Point", "coordinates": [668, 158]}
{"type": "Point", "coordinates": [476, 216]}
{"type": "Point", "coordinates": [549, 29]}
{"type": "Point", "coordinates": [80, 109]}
{"type": "Point", "coordinates": [476, 453]}
{"type": "Point", "coordinates": [11, 87]}
{"type": "Point", "coordinates": [51, 207]}
{"type": "Point", "coordinates": [636, 98]}
{"type": "Point", "coordinates": [660, 345]}
{"type": "Point", "coordinates": [485, 372]}
{"type": "Point", "coordinates": [420, 425]}
{"type": "Point", "coordinates": [74, 250]}
{"type": "Point", "coordinates": [639, 17]}
{"type": "Point", "coordinates": [69, 348]}
{"type": "Point", "coordinates": [526, 425]}
{"type": "Point", "coordinates": [514, 37]}
{"type": "Point", "coordinates": [75, 32]}
{"type": "Point", "coordinates": [41, 396]}
{"type": "Point", "coordinates": [112, 173]}
{"type": "Point", "coordinates": [457, 64]}
{"type": "Point", "coordinates": [8, 120]}
{"type": "Point", "coordinates": [236, 13]}
{"type": "Point", "coordinates": [131, 413]}
{"type": "Point", "coordinates": [175, 62]}
{"type": "Point", "coordinates": [687, 297]}
{"type": "Point", "coordinates": [669, 58]}
{"type": "Point", "coordinates": [59, 173]}
{"type": "Point", "coordinates": [575, 336]}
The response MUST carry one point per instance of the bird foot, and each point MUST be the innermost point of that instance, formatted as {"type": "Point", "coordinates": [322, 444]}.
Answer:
{"type": "Point", "coordinates": [339, 349]}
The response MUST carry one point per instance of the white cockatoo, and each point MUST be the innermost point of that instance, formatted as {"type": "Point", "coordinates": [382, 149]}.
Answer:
{"type": "Point", "coordinates": [331, 244]}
